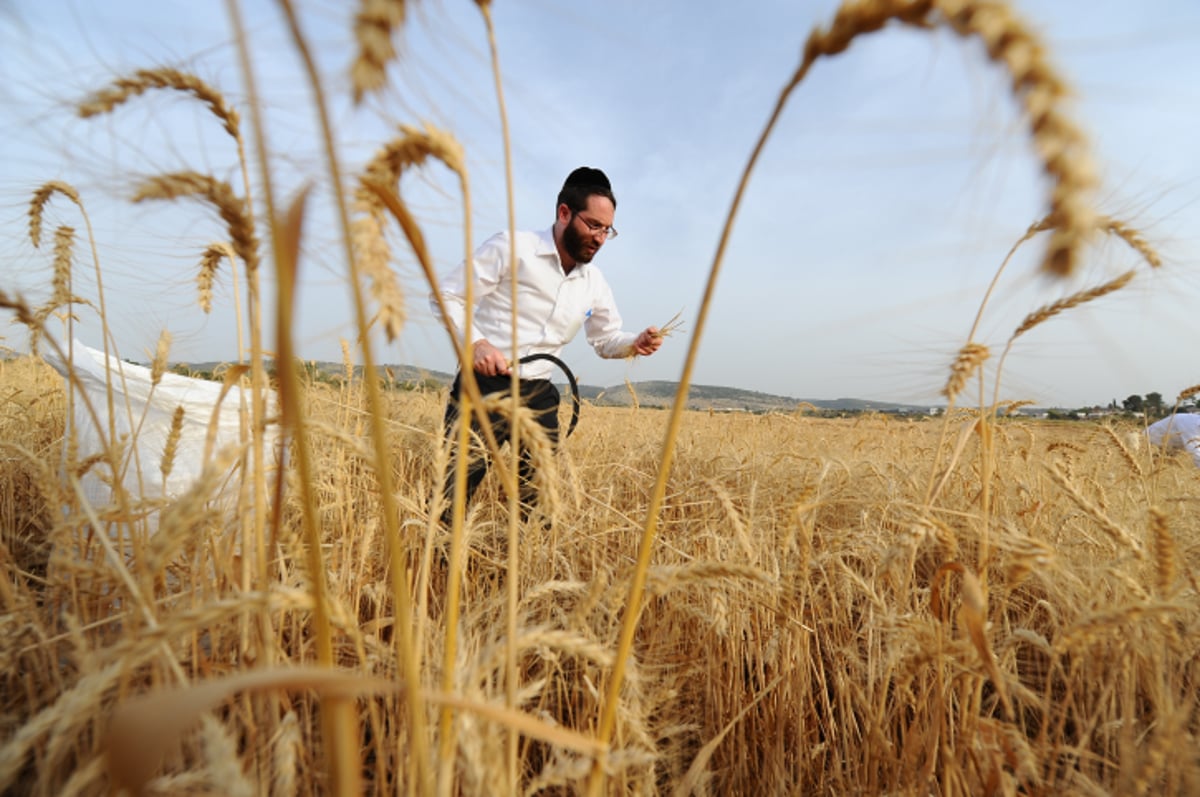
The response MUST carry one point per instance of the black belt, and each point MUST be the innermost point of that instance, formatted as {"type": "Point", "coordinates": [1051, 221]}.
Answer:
{"type": "Point", "coordinates": [562, 366]}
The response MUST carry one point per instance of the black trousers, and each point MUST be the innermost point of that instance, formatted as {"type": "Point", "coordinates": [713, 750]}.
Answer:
{"type": "Point", "coordinates": [540, 396]}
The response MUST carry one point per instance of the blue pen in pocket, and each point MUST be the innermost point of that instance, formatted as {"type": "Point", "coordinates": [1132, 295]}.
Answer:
{"type": "Point", "coordinates": [577, 323]}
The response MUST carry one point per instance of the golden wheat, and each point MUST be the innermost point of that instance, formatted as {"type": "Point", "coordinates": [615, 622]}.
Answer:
{"type": "Point", "coordinates": [219, 194]}
{"type": "Point", "coordinates": [1126, 454]}
{"type": "Point", "coordinates": [970, 357]}
{"type": "Point", "coordinates": [37, 206]}
{"type": "Point", "coordinates": [124, 89]}
{"type": "Point", "coordinates": [1048, 311]}
{"type": "Point", "coordinates": [1010, 42]}
{"type": "Point", "coordinates": [411, 148]}
{"type": "Point", "coordinates": [718, 617]}
{"type": "Point", "coordinates": [210, 262]}
{"type": "Point", "coordinates": [1164, 552]}
{"type": "Point", "coordinates": [1188, 392]}
{"type": "Point", "coordinates": [374, 26]}
{"type": "Point", "coordinates": [64, 240]}
{"type": "Point", "coordinates": [800, 633]}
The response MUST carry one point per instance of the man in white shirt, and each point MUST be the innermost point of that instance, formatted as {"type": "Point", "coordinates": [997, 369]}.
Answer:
{"type": "Point", "coordinates": [559, 292]}
{"type": "Point", "coordinates": [1179, 432]}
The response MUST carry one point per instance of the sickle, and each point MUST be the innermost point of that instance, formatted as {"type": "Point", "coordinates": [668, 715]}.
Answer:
{"type": "Point", "coordinates": [570, 380]}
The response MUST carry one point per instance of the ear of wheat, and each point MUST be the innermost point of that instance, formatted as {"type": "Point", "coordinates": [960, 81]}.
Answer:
{"type": "Point", "coordinates": [1048, 311]}
{"type": "Point", "coordinates": [374, 26]}
{"type": "Point", "coordinates": [1010, 42]}
{"type": "Point", "coordinates": [126, 88]}
{"type": "Point", "coordinates": [37, 206]}
{"type": "Point", "coordinates": [411, 148]}
{"type": "Point", "coordinates": [233, 210]}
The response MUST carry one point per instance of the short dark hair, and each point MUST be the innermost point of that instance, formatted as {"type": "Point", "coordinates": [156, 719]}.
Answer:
{"type": "Point", "coordinates": [583, 183]}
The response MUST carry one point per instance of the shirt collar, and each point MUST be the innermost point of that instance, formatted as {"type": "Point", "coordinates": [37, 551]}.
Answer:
{"type": "Point", "coordinates": [546, 248]}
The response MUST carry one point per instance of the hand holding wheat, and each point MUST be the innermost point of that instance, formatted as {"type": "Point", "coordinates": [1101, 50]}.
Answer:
{"type": "Point", "coordinates": [648, 341]}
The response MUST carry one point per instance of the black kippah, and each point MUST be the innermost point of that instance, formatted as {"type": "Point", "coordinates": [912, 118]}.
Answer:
{"type": "Point", "coordinates": [586, 175]}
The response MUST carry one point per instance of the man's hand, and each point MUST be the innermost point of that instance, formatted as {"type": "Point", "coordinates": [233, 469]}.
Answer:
{"type": "Point", "coordinates": [648, 341]}
{"type": "Point", "coordinates": [489, 361]}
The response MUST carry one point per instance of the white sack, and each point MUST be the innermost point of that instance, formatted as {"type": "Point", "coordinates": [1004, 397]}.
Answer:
{"type": "Point", "coordinates": [146, 410]}
{"type": "Point", "coordinates": [1177, 431]}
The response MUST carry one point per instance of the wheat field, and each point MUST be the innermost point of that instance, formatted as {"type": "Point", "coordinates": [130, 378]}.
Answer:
{"type": "Point", "coordinates": [724, 604]}
{"type": "Point", "coordinates": [809, 626]}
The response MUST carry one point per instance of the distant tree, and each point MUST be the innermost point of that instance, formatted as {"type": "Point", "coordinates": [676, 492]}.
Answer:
{"type": "Point", "coordinates": [1154, 403]}
{"type": "Point", "coordinates": [1133, 404]}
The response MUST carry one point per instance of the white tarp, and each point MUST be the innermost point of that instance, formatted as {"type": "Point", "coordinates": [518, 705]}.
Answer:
{"type": "Point", "coordinates": [141, 416]}
{"type": "Point", "coordinates": [1177, 431]}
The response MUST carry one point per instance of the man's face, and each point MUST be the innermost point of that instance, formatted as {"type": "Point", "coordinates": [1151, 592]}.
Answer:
{"type": "Point", "coordinates": [586, 230]}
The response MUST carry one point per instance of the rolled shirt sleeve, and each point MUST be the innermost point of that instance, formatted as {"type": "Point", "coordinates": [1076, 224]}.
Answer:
{"type": "Point", "coordinates": [603, 326]}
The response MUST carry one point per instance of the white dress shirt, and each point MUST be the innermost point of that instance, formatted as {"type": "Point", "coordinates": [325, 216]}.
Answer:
{"type": "Point", "coordinates": [551, 305]}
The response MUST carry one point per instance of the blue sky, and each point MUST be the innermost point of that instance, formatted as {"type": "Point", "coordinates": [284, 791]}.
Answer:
{"type": "Point", "coordinates": [896, 181]}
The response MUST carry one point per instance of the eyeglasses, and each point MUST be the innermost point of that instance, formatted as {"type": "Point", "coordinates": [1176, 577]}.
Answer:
{"type": "Point", "coordinates": [595, 227]}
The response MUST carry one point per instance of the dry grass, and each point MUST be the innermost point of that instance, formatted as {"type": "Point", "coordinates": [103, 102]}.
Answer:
{"type": "Point", "coordinates": [772, 604]}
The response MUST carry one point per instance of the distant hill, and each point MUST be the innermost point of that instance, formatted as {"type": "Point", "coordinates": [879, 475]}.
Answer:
{"type": "Point", "coordinates": [652, 393]}
{"type": "Point", "coordinates": [716, 397]}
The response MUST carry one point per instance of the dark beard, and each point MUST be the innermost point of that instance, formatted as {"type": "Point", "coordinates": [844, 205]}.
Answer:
{"type": "Point", "coordinates": [574, 245]}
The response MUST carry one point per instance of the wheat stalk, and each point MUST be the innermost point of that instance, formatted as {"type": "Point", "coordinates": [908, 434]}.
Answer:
{"type": "Point", "coordinates": [210, 262]}
{"type": "Point", "coordinates": [1126, 454]}
{"type": "Point", "coordinates": [1010, 408]}
{"type": "Point", "coordinates": [233, 211]}
{"type": "Point", "coordinates": [405, 645]}
{"type": "Point", "coordinates": [1134, 238]}
{"type": "Point", "coordinates": [64, 241]}
{"type": "Point", "coordinates": [1059, 143]}
{"type": "Point", "coordinates": [1097, 513]}
{"type": "Point", "coordinates": [411, 148]}
{"type": "Point", "coordinates": [675, 324]}
{"type": "Point", "coordinates": [374, 25]}
{"type": "Point", "coordinates": [1064, 158]}
{"type": "Point", "coordinates": [375, 261]}
{"type": "Point", "coordinates": [162, 351]}
{"type": "Point", "coordinates": [1112, 226]}
{"type": "Point", "coordinates": [172, 444]}
{"type": "Point", "coordinates": [286, 748]}
{"type": "Point", "coordinates": [37, 206]}
{"type": "Point", "coordinates": [240, 221]}
{"type": "Point", "coordinates": [1165, 550]}
{"type": "Point", "coordinates": [60, 294]}
{"type": "Point", "coordinates": [224, 766]}
{"type": "Point", "coordinates": [1034, 81]}
{"type": "Point", "coordinates": [970, 357]}
{"type": "Point", "coordinates": [125, 88]}
{"type": "Point", "coordinates": [1048, 311]}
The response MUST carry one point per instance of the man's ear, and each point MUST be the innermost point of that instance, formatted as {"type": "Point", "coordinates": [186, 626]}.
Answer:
{"type": "Point", "coordinates": [564, 212]}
